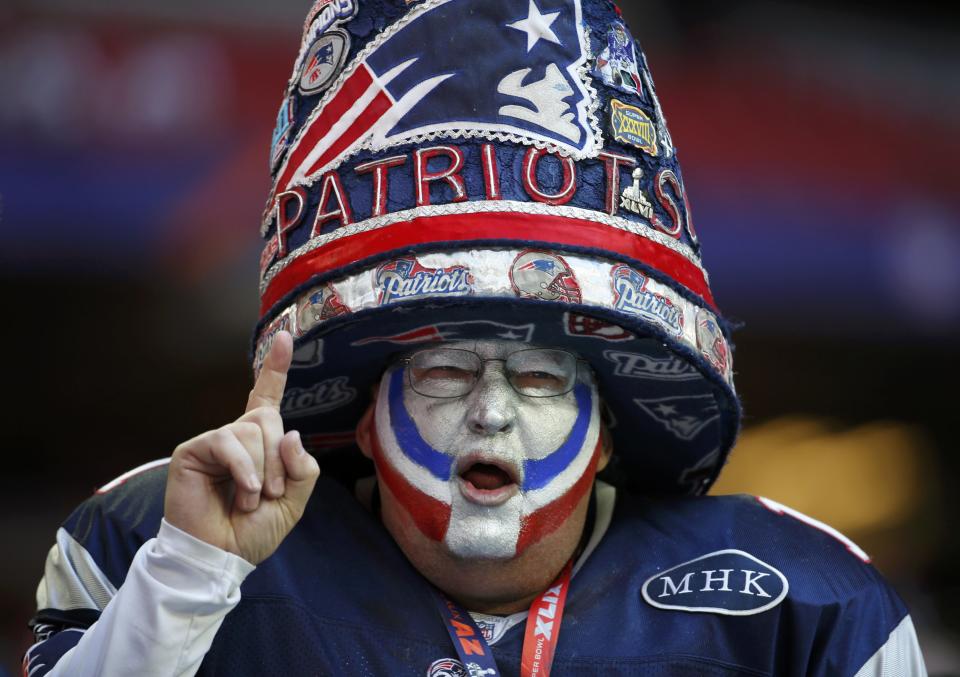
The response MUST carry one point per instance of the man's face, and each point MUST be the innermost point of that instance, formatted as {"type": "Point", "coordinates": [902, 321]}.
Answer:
{"type": "Point", "coordinates": [491, 471]}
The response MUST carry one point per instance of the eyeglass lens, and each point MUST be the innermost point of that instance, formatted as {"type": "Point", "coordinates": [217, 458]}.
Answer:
{"type": "Point", "coordinates": [454, 372]}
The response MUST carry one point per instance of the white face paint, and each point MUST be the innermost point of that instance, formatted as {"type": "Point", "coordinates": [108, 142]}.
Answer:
{"type": "Point", "coordinates": [491, 472]}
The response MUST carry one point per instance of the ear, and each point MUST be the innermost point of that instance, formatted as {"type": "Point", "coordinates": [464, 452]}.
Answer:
{"type": "Point", "coordinates": [365, 425]}
{"type": "Point", "coordinates": [606, 447]}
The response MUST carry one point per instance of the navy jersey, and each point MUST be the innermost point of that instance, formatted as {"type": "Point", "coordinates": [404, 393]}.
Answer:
{"type": "Point", "coordinates": [687, 586]}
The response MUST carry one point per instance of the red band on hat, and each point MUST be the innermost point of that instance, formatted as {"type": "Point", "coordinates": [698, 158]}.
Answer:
{"type": "Point", "coordinates": [486, 226]}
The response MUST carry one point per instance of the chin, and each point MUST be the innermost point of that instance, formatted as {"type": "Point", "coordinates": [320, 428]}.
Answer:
{"type": "Point", "coordinates": [484, 531]}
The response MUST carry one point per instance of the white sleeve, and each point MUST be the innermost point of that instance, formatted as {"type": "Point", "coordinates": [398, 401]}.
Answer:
{"type": "Point", "coordinates": [163, 619]}
{"type": "Point", "coordinates": [899, 657]}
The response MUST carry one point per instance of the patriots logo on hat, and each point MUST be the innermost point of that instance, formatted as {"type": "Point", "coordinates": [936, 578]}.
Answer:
{"type": "Point", "coordinates": [501, 71]}
{"type": "Point", "coordinates": [683, 417]}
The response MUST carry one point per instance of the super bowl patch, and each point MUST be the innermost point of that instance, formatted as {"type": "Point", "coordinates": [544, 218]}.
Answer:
{"type": "Point", "coordinates": [632, 127]}
{"type": "Point", "coordinates": [281, 132]}
{"type": "Point", "coordinates": [633, 199]}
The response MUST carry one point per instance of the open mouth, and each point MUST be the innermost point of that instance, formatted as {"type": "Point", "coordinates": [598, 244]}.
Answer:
{"type": "Point", "coordinates": [487, 483]}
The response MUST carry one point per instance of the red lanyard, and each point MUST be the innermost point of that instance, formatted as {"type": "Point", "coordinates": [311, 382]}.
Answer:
{"type": "Point", "coordinates": [540, 637]}
{"type": "Point", "coordinates": [543, 627]}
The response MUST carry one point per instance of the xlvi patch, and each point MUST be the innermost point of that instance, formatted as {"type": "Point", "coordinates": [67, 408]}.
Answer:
{"type": "Point", "coordinates": [728, 582]}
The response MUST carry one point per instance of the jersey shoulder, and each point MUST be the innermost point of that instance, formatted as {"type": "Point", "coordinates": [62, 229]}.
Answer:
{"type": "Point", "coordinates": [121, 516]}
{"type": "Point", "coordinates": [818, 564]}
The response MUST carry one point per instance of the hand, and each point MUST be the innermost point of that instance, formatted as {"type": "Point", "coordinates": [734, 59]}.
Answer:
{"type": "Point", "coordinates": [244, 486]}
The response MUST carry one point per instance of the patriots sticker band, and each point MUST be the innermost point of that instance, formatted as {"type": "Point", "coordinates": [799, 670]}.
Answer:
{"type": "Point", "coordinates": [633, 296]}
{"type": "Point", "coordinates": [407, 279]}
{"type": "Point", "coordinates": [505, 274]}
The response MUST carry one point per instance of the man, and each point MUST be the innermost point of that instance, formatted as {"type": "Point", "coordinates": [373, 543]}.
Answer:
{"type": "Point", "coordinates": [481, 269]}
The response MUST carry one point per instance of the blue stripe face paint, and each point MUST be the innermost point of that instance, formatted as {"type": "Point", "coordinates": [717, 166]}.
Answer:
{"type": "Point", "coordinates": [537, 473]}
{"type": "Point", "coordinates": [409, 438]}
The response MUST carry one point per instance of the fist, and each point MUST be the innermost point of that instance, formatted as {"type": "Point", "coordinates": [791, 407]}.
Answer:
{"type": "Point", "coordinates": [244, 486]}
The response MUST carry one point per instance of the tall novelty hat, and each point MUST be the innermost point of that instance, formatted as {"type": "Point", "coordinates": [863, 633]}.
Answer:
{"type": "Point", "coordinates": [490, 169]}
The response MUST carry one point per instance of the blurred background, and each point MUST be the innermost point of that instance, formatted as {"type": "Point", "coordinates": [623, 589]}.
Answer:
{"type": "Point", "coordinates": [819, 142]}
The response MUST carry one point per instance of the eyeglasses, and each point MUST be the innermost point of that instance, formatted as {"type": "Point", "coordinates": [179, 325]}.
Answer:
{"type": "Point", "coordinates": [454, 372]}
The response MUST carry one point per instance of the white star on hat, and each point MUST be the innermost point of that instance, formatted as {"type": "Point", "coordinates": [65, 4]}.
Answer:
{"type": "Point", "coordinates": [537, 26]}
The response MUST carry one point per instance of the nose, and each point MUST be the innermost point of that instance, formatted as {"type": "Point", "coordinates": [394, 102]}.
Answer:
{"type": "Point", "coordinates": [492, 406]}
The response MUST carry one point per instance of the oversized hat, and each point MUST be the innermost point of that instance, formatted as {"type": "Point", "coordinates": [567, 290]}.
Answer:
{"type": "Point", "coordinates": [490, 169]}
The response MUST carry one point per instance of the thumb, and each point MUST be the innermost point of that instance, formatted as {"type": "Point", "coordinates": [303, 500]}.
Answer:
{"type": "Point", "coordinates": [302, 469]}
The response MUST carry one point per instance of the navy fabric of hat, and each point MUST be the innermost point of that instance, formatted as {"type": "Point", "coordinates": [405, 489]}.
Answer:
{"type": "Point", "coordinates": [474, 169]}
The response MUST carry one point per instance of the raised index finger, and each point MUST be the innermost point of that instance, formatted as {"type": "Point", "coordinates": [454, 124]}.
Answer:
{"type": "Point", "coordinates": [268, 390]}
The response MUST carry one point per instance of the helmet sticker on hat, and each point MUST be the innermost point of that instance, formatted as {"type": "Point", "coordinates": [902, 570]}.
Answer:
{"type": "Point", "coordinates": [683, 417]}
{"type": "Point", "coordinates": [617, 63]}
{"type": "Point", "coordinates": [575, 324]}
{"type": "Point", "coordinates": [324, 61]}
{"type": "Point", "coordinates": [316, 306]}
{"type": "Point", "coordinates": [405, 279]}
{"type": "Point", "coordinates": [712, 344]}
{"type": "Point", "coordinates": [632, 127]}
{"type": "Point", "coordinates": [538, 274]}
{"type": "Point", "coordinates": [632, 296]}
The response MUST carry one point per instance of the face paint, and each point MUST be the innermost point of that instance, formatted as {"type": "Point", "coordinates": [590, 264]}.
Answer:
{"type": "Point", "coordinates": [492, 472]}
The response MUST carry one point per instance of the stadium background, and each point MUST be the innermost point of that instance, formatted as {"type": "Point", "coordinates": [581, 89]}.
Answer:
{"type": "Point", "coordinates": [133, 149]}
